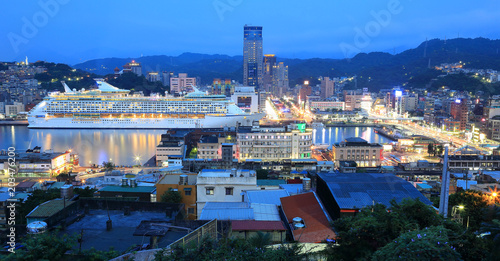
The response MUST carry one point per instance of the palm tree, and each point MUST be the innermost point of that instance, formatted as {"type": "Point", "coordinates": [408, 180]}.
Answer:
{"type": "Point", "coordinates": [260, 240]}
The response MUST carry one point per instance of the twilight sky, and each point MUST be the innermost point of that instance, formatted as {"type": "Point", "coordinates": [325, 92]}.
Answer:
{"type": "Point", "coordinates": [73, 31]}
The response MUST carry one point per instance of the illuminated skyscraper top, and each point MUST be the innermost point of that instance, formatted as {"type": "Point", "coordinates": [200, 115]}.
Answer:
{"type": "Point", "coordinates": [252, 56]}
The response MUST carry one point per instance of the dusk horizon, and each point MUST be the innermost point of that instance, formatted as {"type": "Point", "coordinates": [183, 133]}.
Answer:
{"type": "Point", "coordinates": [55, 30]}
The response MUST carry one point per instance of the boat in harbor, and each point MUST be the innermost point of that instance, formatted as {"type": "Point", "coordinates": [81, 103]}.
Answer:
{"type": "Point", "coordinates": [109, 107]}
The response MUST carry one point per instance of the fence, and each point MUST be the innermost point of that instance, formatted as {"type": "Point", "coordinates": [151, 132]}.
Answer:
{"type": "Point", "coordinates": [209, 229]}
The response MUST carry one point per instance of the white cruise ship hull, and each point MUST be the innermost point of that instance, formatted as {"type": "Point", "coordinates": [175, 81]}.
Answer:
{"type": "Point", "coordinates": [143, 123]}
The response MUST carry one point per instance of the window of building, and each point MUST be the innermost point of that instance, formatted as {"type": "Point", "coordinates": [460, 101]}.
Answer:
{"type": "Point", "coordinates": [210, 191]}
{"type": "Point", "coordinates": [187, 191]}
{"type": "Point", "coordinates": [190, 210]}
{"type": "Point", "coordinates": [229, 191]}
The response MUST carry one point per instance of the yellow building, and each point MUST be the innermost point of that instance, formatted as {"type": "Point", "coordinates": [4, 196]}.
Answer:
{"type": "Point", "coordinates": [185, 184]}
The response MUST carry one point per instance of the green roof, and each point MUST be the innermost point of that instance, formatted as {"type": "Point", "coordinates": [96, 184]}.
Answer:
{"type": "Point", "coordinates": [57, 185]}
{"type": "Point", "coordinates": [141, 189]}
{"type": "Point", "coordinates": [270, 182]}
{"type": "Point", "coordinates": [21, 195]}
{"type": "Point", "coordinates": [49, 208]}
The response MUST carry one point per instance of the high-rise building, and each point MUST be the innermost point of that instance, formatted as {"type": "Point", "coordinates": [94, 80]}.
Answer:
{"type": "Point", "coordinates": [460, 112]}
{"type": "Point", "coordinates": [165, 77]}
{"type": "Point", "coordinates": [491, 110]}
{"type": "Point", "coordinates": [133, 67]}
{"type": "Point", "coordinates": [280, 79]}
{"type": "Point", "coordinates": [252, 56]}
{"type": "Point", "coordinates": [327, 87]}
{"type": "Point", "coordinates": [181, 83]}
{"type": "Point", "coordinates": [153, 76]}
{"type": "Point", "coordinates": [268, 74]}
{"type": "Point", "coordinates": [352, 99]}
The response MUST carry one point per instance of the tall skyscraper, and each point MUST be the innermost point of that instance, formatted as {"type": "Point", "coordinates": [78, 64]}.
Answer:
{"type": "Point", "coordinates": [252, 56]}
{"type": "Point", "coordinates": [269, 64]}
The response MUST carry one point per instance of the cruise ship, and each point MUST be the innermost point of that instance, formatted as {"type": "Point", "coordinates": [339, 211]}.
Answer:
{"type": "Point", "coordinates": [109, 107]}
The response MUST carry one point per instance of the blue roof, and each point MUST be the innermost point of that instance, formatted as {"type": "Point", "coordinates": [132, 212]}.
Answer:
{"type": "Point", "coordinates": [462, 184]}
{"type": "Point", "coordinates": [424, 186]}
{"type": "Point", "coordinates": [355, 191]}
{"type": "Point", "coordinates": [292, 188]}
{"type": "Point", "coordinates": [227, 211]}
{"type": "Point", "coordinates": [267, 196]}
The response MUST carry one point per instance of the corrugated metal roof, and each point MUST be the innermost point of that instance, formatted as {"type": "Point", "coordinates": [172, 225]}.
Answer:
{"type": "Point", "coordinates": [49, 208]}
{"type": "Point", "coordinates": [227, 214]}
{"type": "Point", "coordinates": [217, 205]}
{"type": "Point", "coordinates": [265, 212]}
{"type": "Point", "coordinates": [267, 196]}
{"type": "Point", "coordinates": [355, 191]}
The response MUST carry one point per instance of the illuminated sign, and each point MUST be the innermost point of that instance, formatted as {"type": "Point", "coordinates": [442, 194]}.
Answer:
{"type": "Point", "coordinates": [301, 127]}
{"type": "Point", "coordinates": [457, 101]}
{"type": "Point", "coordinates": [398, 93]}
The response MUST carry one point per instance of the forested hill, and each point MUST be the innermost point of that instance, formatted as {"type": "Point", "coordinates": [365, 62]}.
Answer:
{"type": "Point", "coordinates": [374, 70]}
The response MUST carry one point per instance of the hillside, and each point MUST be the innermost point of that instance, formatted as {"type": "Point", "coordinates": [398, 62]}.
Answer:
{"type": "Point", "coordinates": [375, 70]}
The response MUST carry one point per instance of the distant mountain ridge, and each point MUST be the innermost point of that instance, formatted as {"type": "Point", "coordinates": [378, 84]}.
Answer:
{"type": "Point", "coordinates": [375, 70]}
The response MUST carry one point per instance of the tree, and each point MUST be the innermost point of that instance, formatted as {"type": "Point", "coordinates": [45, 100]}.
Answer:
{"type": "Point", "coordinates": [171, 196]}
{"type": "Point", "coordinates": [424, 244]}
{"type": "Point", "coordinates": [47, 246]}
{"type": "Point", "coordinates": [430, 149]}
{"type": "Point", "coordinates": [108, 166]}
{"type": "Point", "coordinates": [229, 249]}
{"type": "Point", "coordinates": [262, 174]}
{"type": "Point", "coordinates": [53, 246]}
{"type": "Point", "coordinates": [260, 240]}
{"type": "Point", "coordinates": [439, 150]}
{"type": "Point", "coordinates": [374, 227]}
{"type": "Point", "coordinates": [87, 192]}
{"type": "Point", "coordinates": [474, 203]}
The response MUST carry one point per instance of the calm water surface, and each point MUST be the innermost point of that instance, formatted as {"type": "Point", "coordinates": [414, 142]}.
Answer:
{"type": "Point", "coordinates": [123, 146]}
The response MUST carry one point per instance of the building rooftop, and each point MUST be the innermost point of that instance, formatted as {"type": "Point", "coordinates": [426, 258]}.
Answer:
{"type": "Point", "coordinates": [57, 185]}
{"type": "Point", "coordinates": [227, 211]}
{"type": "Point", "coordinates": [270, 182]}
{"type": "Point", "coordinates": [292, 188]}
{"type": "Point", "coordinates": [49, 208]}
{"type": "Point", "coordinates": [239, 211]}
{"type": "Point", "coordinates": [26, 184]}
{"type": "Point", "coordinates": [266, 196]}
{"type": "Point", "coordinates": [137, 189]}
{"type": "Point", "coordinates": [121, 237]}
{"type": "Point", "coordinates": [306, 206]}
{"type": "Point", "coordinates": [225, 173]}
{"type": "Point", "coordinates": [356, 140]}
{"type": "Point", "coordinates": [355, 191]}
{"type": "Point", "coordinates": [253, 225]}
{"type": "Point", "coordinates": [175, 178]}
{"type": "Point", "coordinates": [33, 157]}
{"type": "Point", "coordinates": [209, 139]}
